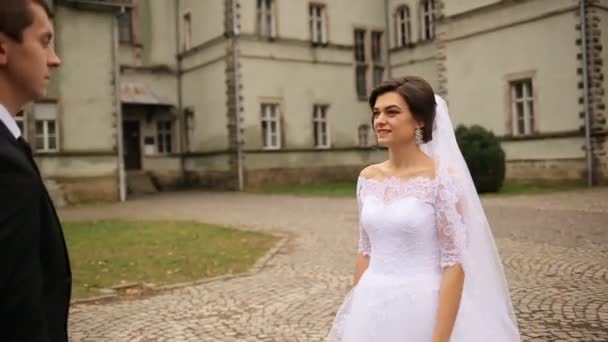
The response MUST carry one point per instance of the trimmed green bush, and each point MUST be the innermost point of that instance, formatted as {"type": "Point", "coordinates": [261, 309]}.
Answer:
{"type": "Point", "coordinates": [484, 156]}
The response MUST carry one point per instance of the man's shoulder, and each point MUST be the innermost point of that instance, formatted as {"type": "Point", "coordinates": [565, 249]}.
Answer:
{"type": "Point", "coordinates": [19, 186]}
{"type": "Point", "coordinates": [11, 158]}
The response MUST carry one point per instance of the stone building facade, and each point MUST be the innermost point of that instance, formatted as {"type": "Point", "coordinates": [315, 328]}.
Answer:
{"type": "Point", "coordinates": [238, 94]}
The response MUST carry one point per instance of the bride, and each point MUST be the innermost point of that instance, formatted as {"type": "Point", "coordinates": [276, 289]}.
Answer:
{"type": "Point", "coordinates": [427, 268]}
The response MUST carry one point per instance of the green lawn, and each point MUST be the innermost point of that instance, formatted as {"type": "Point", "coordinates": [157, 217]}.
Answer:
{"type": "Point", "coordinates": [109, 253]}
{"type": "Point", "coordinates": [347, 189]}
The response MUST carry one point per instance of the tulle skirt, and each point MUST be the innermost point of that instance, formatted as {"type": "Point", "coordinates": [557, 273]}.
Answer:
{"type": "Point", "coordinates": [390, 308]}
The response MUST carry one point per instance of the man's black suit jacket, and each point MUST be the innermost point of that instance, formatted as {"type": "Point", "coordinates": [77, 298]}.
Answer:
{"type": "Point", "coordinates": [35, 276]}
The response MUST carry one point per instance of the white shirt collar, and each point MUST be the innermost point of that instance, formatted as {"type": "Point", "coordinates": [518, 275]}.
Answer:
{"type": "Point", "coordinates": [9, 122]}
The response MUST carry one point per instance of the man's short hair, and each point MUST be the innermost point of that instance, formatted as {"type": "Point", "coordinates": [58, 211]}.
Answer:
{"type": "Point", "coordinates": [16, 16]}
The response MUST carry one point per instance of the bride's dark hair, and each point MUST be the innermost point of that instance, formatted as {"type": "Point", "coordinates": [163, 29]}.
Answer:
{"type": "Point", "coordinates": [419, 96]}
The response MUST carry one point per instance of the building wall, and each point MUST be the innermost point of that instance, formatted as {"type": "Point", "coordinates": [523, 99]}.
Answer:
{"type": "Point", "coordinates": [458, 7]}
{"type": "Point", "coordinates": [599, 85]}
{"type": "Point", "coordinates": [603, 15]}
{"type": "Point", "coordinates": [85, 165]}
{"type": "Point", "coordinates": [418, 61]}
{"type": "Point", "coordinates": [207, 19]}
{"type": "Point", "coordinates": [165, 171]}
{"type": "Point", "coordinates": [209, 170]}
{"type": "Point", "coordinates": [298, 162]}
{"type": "Point", "coordinates": [162, 82]}
{"type": "Point", "coordinates": [308, 167]}
{"type": "Point", "coordinates": [547, 169]}
{"type": "Point", "coordinates": [480, 46]}
{"type": "Point", "coordinates": [85, 81]}
{"type": "Point", "coordinates": [201, 78]}
{"type": "Point", "coordinates": [602, 25]}
{"type": "Point", "coordinates": [563, 148]}
{"type": "Point", "coordinates": [415, 8]}
{"type": "Point", "coordinates": [316, 75]}
{"type": "Point", "coordinates": [151, 58]}
{"type": "Point", "coordinates": [318, 83]}
{"type": "Point", "coordinates": [155, 30]}
{"type": "Point", "coordinates": [293, 18]}
{"type": "Point", "coordinates": [480, 66]}
{"type": "Point", "coordinates": [204, 91]}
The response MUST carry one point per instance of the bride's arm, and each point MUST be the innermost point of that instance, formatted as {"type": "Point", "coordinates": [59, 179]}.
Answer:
{"type": "Point", "coordinates": [363, 255]}
{"type": "Point", "coordinates": [452, 282]}
{"type": "Point", "coordinates": [452, 235]}
{"type": "Point", "coordinates": [360, 267]}
{"type": "Point", "coordinates": [365, 246]}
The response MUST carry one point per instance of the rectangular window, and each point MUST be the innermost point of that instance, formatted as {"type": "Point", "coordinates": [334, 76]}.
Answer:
{"type": "Point", "coordinates": [164, 131]}
{"type": "Point", "coordinates": [46, 138]}
{"type": "Point", "coordinates": [378, 74]}
{"type": "Point", "coordinates": [125, 27]}
{"type": "Point", "coordinates": [271, 126]}
{"type": "Point", "coordinates": [361, 76]}
{"type": "Point", "coordinates": [361, 65]}
{"type": "Point", "coordinates": [265, 18]}
{"type": "Point", "coordinates": [189, 117]}
{"type": "Point", "coordinates": [363, 136]}
{"type": "Point", "coordinates": [318, 25]}
{"type": "Point", "coordinates": [321, 130]}
{"type": "Point", "coordinates": [522, 107]}
{"type": "Point", "coordinates": [428, 20]}
{"type": "Point", "coordinates": [187, 31]}
{"type": "Point", "coordinates": [377, 47]}
{"type": "Point", "coordinates": [360, 46]}
{"type": "Point", "coordinates": [404, 27]}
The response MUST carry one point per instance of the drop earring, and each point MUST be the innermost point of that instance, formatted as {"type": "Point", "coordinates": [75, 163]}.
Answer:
{"type": "Point", "coordinates": [419, 140]}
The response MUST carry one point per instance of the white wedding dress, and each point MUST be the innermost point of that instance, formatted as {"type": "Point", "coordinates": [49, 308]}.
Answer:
{"type": "Point", "coordinates": [411, 229]}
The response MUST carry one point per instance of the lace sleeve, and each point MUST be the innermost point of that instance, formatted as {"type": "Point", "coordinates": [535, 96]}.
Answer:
{"type": "Point", "coordinates": [365, 247]}
{"type": "Point", "coordinates": [451, 230]}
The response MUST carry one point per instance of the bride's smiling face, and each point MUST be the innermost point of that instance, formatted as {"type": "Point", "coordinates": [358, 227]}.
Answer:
{"type": "Point", "coordinates": [399, 107]}
{"type": "Point", "coordinates": [393, 120]}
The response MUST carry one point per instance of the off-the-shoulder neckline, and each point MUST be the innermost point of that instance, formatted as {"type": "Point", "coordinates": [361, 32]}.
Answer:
{"type": "Point", "coordinates": [403, 180]}
{"type": "Point", "coordinates": [397, 179]}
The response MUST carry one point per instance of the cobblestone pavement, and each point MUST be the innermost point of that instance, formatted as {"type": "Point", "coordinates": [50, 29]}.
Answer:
{"type": "Point", "coordinates": [554, 247]}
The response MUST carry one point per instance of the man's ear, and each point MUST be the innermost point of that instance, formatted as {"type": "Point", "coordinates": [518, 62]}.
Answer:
{"type": "Point", "coordinates": [4, 42]}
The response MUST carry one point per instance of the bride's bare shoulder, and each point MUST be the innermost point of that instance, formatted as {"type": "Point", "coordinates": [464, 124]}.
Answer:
{"type": "Point", "coordinates": [373, 171]}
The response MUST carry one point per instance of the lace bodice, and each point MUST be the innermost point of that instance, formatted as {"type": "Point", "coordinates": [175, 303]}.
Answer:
{"type": "Point", "coordinates": [410, 226]}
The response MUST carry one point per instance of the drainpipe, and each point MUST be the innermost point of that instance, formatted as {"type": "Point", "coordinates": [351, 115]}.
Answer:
{"type": "Point", "coordinates": [237, 93]}
{"type": "Point", "coordinates": [122, 188]}
{"type": "Point", "coordinates": [387, 39]}
{"type": "Point", "coordinates": [585, 61]}
{"type": "Point", "coordinates": [180, 105]}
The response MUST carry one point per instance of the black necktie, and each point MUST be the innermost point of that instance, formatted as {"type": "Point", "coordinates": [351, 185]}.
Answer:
{"type": "Point", "coordinates": [25, 147]}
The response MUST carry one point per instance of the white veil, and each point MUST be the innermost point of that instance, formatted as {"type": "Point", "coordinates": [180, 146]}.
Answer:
{"type": "Point", "coordinates": [485, 285]}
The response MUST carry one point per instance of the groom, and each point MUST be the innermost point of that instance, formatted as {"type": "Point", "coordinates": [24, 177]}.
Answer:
{"type": "Point", "coordinates": [35, 276]}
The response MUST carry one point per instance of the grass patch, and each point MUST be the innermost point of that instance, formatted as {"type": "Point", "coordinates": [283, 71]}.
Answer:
{"type": "Point", "coordinates": [108, 253]}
